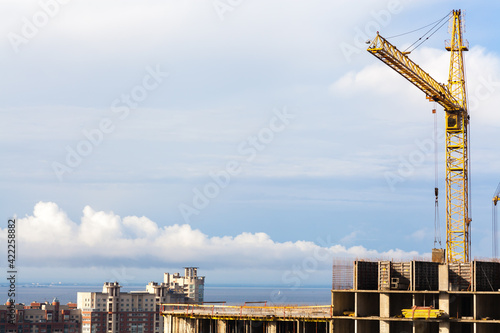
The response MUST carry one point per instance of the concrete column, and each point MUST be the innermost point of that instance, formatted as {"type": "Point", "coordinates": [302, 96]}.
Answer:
{"type": "Point", "coordinates": [475, 307]}
{"type": "Point", "coordinates": [444, 297]}
{"type": "Point", "coordinates": [444, 327]}
{"type": "Point", "coordinates": [175, 324]}
{"type": "Point", "coordinates": [194, 325]}
{"type": "Point", "coordinates": [443, 278]}
{"type": "Point", "coordinates": [385, 309]}
{"type": "Point", "coordinates": [187, 325]}
{"type": "Point", "coordinates": [183, 326]}
{"type": "Point", "coordinates": [167, 325]}
{"type": "Point", "coordinates": [444, 303]}
{"type": "Point", "coordinates": [179, 325]}
{"type": "Point", "coordinates": [385, 312]}
{"type": "Point", "coordinates": [384, 327]}
{"type": "Point", "coordinates": [356, 305]}
{"type": "Point", "coordinates": [221, 326]}
{"type": "Point", "coordinates": [271, 327]}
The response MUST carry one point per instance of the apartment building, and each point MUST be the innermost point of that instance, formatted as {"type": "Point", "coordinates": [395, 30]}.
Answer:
{"type": "Point", "coordinates": [114, 311]}
{"type": "Point", "coordinates": [39, 317]}
{"type": "Point", "coordinates": [191, 284]}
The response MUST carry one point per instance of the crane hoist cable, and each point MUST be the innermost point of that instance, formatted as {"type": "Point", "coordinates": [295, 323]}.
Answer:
{"type": "Point", "coordinates": [425, 26]}
{"type": "Point", "coordinates": [494, 224]}
{"type": "Point", "coordinates": [494, 246]}
{"type": "Point", "coordinates": [469, 154]}
{"type": "Point", "coordinates": [437, 228]}
{"type": "Point", "coordinates": [443, 21]}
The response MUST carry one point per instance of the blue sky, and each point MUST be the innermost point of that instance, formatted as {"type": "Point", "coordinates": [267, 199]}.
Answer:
{"type": "Point", "coordinates": [254, 139]}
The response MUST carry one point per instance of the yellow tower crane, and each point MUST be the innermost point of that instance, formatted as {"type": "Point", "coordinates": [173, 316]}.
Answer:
{"type": "Point", "coordinates": [454, 101]}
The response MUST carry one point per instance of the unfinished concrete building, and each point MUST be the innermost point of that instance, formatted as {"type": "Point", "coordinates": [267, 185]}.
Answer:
{"type": "Point", "coordinates": [417, 296]}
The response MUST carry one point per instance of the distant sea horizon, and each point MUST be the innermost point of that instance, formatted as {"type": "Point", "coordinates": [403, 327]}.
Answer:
{"type": "Point", "coordinates": [231, 294]}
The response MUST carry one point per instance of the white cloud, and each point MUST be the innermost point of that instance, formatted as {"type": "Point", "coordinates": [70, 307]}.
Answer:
{"type": "Point", "coordinates": [350, 237]}
{"type": "Point", "coordinates": [49, 237]}
{"type": "Point", "coordinates": [379, 79]}
{"type": "Point", "coordinates": [373, 79]}
{"type": "Point", "coordinates": [482, 75]}
{"type": "Point", "coordinates": [48, 227]}
{"type": "Point", "coordinates": [420, 235]}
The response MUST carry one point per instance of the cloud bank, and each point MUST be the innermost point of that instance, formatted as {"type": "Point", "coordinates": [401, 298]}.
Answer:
{"type": "Point", "coordinates": [49, 237]}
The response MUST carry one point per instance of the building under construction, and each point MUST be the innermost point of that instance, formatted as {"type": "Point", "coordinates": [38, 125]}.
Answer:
{"type": "Point", "coordinates": [367, 297]}
{"type": "Point", "coordinates": [417, 296]}
{"type": "Point", "coordinates": [217, 318]}
{"type": "Point", "coordinates": [449, 294]}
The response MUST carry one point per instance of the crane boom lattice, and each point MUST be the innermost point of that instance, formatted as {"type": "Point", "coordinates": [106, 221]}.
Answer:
{"type": "Point", "coordinates": [399, 61]}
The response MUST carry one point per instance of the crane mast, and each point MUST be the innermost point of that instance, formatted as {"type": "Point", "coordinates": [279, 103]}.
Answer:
{"type": "Point", "coordinates": [453, 98]}
{"type": "Point", "coordinates": [457, 161]}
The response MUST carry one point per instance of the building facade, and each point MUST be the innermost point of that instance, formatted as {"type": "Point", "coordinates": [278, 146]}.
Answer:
{"type": "Point", "coordinates": [114, 311]}
{"type": "Point", "coordinates": [39, 317]}
{"type": "Point", "coordinates": [192, 285]}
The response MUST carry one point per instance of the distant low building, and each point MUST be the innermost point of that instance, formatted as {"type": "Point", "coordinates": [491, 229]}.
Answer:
{"type": "Point", "coordinates": [39, 317]}
{"type": "Point", "coordinates": [114, 311]}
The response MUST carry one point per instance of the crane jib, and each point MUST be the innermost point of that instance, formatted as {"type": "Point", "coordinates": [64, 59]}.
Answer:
{"type": "Point", "coordinates": [399, 61]}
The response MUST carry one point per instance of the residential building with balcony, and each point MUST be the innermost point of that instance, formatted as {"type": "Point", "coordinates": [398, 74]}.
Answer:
{"type": "Point", "coordinates": [116, 311]}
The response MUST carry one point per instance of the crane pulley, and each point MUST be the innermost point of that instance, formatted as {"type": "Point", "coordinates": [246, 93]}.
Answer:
{"type": "Point", "coordinates": [452, 97]}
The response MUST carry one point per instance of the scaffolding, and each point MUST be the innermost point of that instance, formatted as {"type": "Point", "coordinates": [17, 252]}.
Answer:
{"type": "Point", "coordinates": [315, 313]}
{"type": "Point", "coordinates": [342, 274]}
